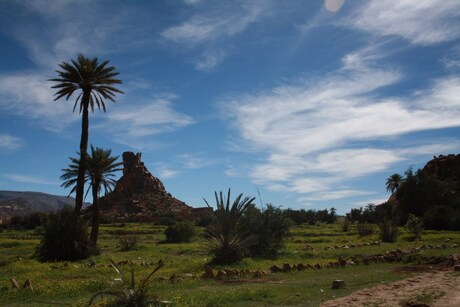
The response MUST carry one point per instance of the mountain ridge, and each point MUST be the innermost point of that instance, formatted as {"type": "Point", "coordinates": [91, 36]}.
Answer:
{"type": "Point", "coordinates": [25, 202]}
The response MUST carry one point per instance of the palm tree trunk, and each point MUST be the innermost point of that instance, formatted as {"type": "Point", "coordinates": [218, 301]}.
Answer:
{"type": "Point", "coordinates": [83, 153]}
{"type": "Point", "coordinates": [96, 215]}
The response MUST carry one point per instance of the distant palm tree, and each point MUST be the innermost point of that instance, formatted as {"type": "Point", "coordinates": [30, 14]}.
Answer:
{"type": "Point", "coordinates": [394, 182]}
{"type": "Point", "coordinates": [94, 81]}
{"type": "Point", "coordinates": [100, 167]}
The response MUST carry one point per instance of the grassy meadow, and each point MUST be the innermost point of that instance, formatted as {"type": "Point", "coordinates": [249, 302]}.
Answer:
{"type": "Point", "coordinates": [73, 283]}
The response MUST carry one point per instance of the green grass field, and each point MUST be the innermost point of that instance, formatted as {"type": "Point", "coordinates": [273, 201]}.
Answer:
{"type": "Point", "coordinates": [73, 283]}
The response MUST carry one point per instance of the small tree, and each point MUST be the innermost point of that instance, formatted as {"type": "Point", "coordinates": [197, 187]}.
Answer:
{"type": "Point", "coordinates": [100, 167]}
{"type": "Point", "coordinates": [227, 244]}
{"type": "Point", "coordinates": [388, 231]}
{"type": "Point", "coordinates": [345, 225]}
{"type": "Point", "coordinates": [414, 226]}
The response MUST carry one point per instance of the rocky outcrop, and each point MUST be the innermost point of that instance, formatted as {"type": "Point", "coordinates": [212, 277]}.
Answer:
{"type": "Point", "coordinates": [140, 196]}
{"type": "Point", "coordinates": [444, 167]}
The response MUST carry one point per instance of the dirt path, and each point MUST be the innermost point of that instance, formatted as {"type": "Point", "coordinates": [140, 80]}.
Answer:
{"type": "Point", "coordinates": [436, 287]}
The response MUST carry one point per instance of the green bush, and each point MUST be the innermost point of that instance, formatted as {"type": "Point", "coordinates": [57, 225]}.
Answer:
{"type": "Point", "coordinates": [65, 237]}
{"type": "Point", "coordinates": [28, 221]}
{"type": "Point", "coordinates": [388, 231]}
{"type": "Point", "coordinates": [167, 219]}
{"type": "Point", "coordinates": [180, 232]}
{"type": "Point", "coordinates": [204, 221]}
{"type": "Point", "coordinates": [267, 230]}
{"type": "Point", "coordinates": [364, 229]}
{"type": "Point", "coordinates": [128, 242]}
{"type": "Point", "coordinates": [345, 225]}
{"type": "Point", "coordinates": [414, 226]}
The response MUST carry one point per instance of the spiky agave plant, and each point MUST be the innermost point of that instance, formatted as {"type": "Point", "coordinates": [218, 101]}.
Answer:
{"type": "Point", "coordinates": [125, 290]}
{"type": "Point", "coordinates": [224, 238]}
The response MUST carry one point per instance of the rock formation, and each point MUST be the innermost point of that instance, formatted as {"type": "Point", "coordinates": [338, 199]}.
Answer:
{"type": "Point", "coordinates": [140, 196]}
{"type": "Point", "coordinates": [444, 167]}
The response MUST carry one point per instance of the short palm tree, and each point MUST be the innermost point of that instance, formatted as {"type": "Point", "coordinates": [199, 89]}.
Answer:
{"type": "Point", "coordinates": [94, 83]}
{"type": "Point", "coordinates": [227, 243]}
{"type": "Point", "coordinates": [394, 182]}
{"type": "Point", "coordinates": [100, 167]}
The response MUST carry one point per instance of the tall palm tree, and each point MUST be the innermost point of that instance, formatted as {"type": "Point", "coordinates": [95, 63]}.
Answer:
{"type": "Point", "coordinates": [100, 167]}
{"type": "Point", "coordinates": [394, 182]}
{"type": "Point", "coordinates": [94, 83]}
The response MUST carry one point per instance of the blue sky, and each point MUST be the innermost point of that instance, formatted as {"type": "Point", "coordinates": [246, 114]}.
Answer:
{"type": "Point", "coordinates": [311, 104]}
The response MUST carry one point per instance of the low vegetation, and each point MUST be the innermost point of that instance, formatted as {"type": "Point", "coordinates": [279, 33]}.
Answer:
{"type": "Point", "coordinates": [180, 232]}
{"type": "Point", "coordinates": [64, 238]}
{"type": "Point", "coordinates": [180, 279]}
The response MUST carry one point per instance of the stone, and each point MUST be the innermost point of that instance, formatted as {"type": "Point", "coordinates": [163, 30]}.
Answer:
{"type": "Point", "coordinates": [276, 269]}
{"type": "Point", "coordinates": [208, 273]}
{"type": "Point", "coordinates": [338, 284]}
{"type": "Point", "coordinates": [28, 285]}
{"type": "Point", "coordinates": [220, 274]}
{"type": "Point", "coordinates": [14, 283]}
{"type": "Point", "coordinates": [287, 267]}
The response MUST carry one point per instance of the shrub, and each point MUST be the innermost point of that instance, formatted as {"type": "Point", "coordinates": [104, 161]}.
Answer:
{"type": "Point", "coordinates": [388, 231]}
{"type": "Point", "coordinates": [414, 226]}
{"type": "Point", "coordinates": [125, 290]}
{"type": "Point", "coordinates": [345, 225]}
{"type": "Point", "coordinates": [65, 237]}
{"type": "Point", "coordinates": [167, 219]}
{"type": "Point", "coordinates": [204, 221]}
{"type": "Point", "coordinates": [226, 243]}
{"type": "Point", "coordinates": [266, 229]}
{"type": "Point", "coordinates": [364, 229]}
{"type": "Point", "coordinates": [128, 242]}
{"type": "Point", "coordinates": [28, 221]}
{"type": "Point", "coordinates": [180, 232]}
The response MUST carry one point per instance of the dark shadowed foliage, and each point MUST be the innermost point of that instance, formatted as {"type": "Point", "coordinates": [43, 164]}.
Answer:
{"type": "Point", "coordinates": [64, 238]}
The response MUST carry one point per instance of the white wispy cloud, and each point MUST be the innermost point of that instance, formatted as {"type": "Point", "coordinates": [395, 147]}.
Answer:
{"type": "Point", "coordinates": [29, 179]}
{"type": "Point", "coordinates": [164, 171]}
{"type": "Point", "coordinates": [30, 95]}
{"type": "Point", "coordinates": [132, 123]}
{"type": "Point", "coordinates": [195, 160]}
{"type": "Point", "coordinates": [219, 22]}
{"type": "Point", "coordinates": [9, 143]}
{"type": "Point", "coordinates": [420, 22]}
{"type": "Point", "coordinates": [316, 134]}
{"type": "Point", "coordinates": [214, 26]}
{"type": "Point", "coordinates": [183, 162]}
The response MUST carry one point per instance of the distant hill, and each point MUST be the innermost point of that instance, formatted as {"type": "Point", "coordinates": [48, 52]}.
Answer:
{"type": "Point", "coordinates": [21, 203]}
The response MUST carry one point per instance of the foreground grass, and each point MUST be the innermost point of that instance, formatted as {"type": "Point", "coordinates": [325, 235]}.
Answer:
{"type": "Point", "coordinates": [73, 283]}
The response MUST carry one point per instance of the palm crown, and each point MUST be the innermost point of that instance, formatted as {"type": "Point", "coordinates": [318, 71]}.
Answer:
{"type": "Point", "coordinates": [100, 168]}
{"type": "Point", "coordinates": [92, 78]}
{"type": "Point", "coordinates": [394, 182]}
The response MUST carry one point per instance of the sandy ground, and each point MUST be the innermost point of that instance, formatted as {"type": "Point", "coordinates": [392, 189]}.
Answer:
{"type": "Point", "coordinates": [436, 287]}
